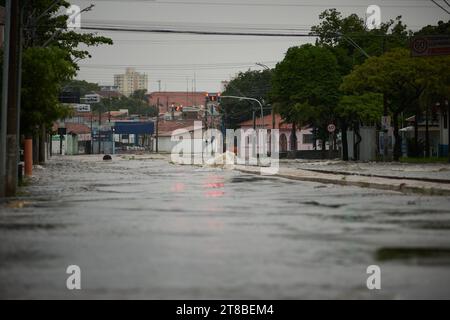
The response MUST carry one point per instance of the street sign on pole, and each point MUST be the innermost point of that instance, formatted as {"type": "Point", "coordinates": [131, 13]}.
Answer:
{"type": "Point", "coordinates": [91, 98]}
{"type": "Point", "coordinates": [331, 128]}
{"type": "Point", "coordinates": [82, 107]}
{"type": "Point", "coordinates": [425, 46]}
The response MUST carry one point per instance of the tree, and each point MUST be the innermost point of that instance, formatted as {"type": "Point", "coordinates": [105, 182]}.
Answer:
{"type": "Point", "coordinates": [342, 33]}
{"type": "Point", "coordinates": [44, 69]}
{"type": "Point", "coordinates": [44, 25]}
{"type": "Point", "coordinates": [441, 28]}
{"type": "Point", "coordinates": [354, 110]}
{"type": "Point", "coordinates": [438, 94]}
{"type": "Point", "coordinates": [50, 56]}
{"type": "Point", "coordinates": [305, 88]}
{"type": "Point", "coordinates": [135, 104]}
{"type": "Point", "coordinates": [402, 79]}
{"type": "Point", "coordinates": [82, 86]}
{"type": "Point", "coordinates": [253, 84]}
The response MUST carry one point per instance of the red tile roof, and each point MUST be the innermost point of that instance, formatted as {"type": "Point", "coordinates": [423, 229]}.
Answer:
{"type": "Point", "coordinates": [165, 128]}
{"type": "Point", "coordinates": [267, 122]}
{"type": "Point", "coordinates": [75, 128]}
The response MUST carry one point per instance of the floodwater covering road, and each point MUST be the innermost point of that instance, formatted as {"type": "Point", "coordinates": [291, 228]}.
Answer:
{"type": "Point", "coordinates": [144, 228]}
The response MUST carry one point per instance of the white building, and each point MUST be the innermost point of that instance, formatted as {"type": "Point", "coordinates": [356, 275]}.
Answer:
{"type": "Point", "coordinates": [130, 81]}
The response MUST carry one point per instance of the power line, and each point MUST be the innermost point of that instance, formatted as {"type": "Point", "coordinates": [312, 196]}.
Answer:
{"type": "Point", "coordinates": [194, 32]}
{"type": "Point", "coordinates": [440, 6]}
{"type": "Point", "coordinates": [281, 5]}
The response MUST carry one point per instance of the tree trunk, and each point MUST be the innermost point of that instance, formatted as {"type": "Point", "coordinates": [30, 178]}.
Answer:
{"type": "Point", "coordinates": [398, 143]}
{"type": "Point", "coordinates": [42, 139]}
{"type": "Point", "coordinates": [35, 149]}
{"type": "Point", "coordinates": [427, 133]}
{"type": "Point", "coordinates": [357, 141]}
{"type": "Point", "coordinates": [344, 128]}
{"type": "Point", "coordinates": [315, 138]}
{"type": "Point", "coordinates": [294, 137]}
{"type": "Point", "coordinates": [416, 135]}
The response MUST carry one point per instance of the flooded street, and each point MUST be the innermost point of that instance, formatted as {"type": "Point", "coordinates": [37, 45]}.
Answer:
{"type": "Point", "coordinates": [144, 228]}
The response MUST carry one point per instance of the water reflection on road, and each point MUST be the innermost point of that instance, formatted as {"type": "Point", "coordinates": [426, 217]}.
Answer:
{"type": "Point", "coordinates": [148, 229]}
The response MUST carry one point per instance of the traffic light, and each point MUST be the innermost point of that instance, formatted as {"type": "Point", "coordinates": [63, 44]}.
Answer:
{"type": "Point", "coordinates": [213, 97]}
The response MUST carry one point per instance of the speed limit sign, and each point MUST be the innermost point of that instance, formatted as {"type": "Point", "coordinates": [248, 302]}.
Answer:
{"type": "Point", "coordinates": [331, 128]}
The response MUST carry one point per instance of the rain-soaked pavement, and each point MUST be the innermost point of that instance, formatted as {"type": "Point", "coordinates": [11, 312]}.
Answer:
{"type": "Point", "coordinates": [149, 229]}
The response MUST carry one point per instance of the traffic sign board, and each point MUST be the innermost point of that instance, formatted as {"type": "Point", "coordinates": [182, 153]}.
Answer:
{"type": "Point", "coordinates": [331, 128]}
{"type": "Point", "coordinates": [92, 98]}
{"type": "Point", "coordinates": [422, 46]}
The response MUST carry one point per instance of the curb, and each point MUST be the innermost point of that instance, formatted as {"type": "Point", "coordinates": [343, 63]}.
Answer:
{"type": "Point", "coordinates": [400, 185]}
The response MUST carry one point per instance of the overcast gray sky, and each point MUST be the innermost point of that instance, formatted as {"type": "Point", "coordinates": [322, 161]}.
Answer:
{"type": "Point", "coordinates": [177, 59]}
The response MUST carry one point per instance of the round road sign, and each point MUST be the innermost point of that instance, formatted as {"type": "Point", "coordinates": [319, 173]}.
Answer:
{"type": "Point", "coordinates": [331, 128]}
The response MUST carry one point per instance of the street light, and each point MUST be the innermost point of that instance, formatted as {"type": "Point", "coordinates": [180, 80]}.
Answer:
{"type": "Point", "coordinates": [250, 99]}
{"type": "Point", "coordinates": [271, 108]}
{"type": "Point", "coordinates": [353, 43]}
{"type": "Point", "coordinates": [262, 65]}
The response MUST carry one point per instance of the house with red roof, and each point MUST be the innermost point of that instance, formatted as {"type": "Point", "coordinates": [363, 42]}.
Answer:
{"type": "Point", "coordinates": [305, 140]}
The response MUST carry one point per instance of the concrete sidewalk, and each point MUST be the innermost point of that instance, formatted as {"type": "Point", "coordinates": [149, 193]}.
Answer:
{"type": "Point", "coordinates": [400, 184]}
{"type": "Point", "coordinates": [431, 172]}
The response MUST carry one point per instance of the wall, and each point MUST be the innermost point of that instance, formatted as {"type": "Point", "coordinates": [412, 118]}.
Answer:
{"type": "Point", "coordinates": [368, 145]}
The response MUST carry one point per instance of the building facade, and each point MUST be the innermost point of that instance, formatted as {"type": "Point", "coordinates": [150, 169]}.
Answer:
{"type": "Point", "coordinates": [305, 139]}
{"type": "Point", "coordinates": [130, 81]}
{"type": "Point", "coordinates": [176, 100]}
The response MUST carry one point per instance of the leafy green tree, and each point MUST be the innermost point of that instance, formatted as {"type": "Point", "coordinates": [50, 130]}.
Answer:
{"type": "Point", "coordinates": [433, 94]}
{"type": "Point", "coordinates": [44, 70]}
{"type": "Point", "coordinates": [342, 34]}
{"type": "Point", "coordinates": [44, 25]}
{"type": "Point", "coordinates": [354, 110]}
{"type": "Point", "coordinates": [136, 104]}
{"type": "Point", "coordinates": [442, 28]}
{"type": "Point", "coordinates": [401, 79]}
{"type": "Point", "coordinates": [305, 88]}
{"type": "Point", "coordinates": [366, 108]}
{"type": "Point", "coordinates": [50, 56]}
{"type": "Point", "coordinates": [82, 86]}
{"type": "Point", "coordinates": [252, 84]}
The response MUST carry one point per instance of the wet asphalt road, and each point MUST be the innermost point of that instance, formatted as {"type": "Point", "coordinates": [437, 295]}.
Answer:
{"type": "Point", "coordinates": [149, 229]}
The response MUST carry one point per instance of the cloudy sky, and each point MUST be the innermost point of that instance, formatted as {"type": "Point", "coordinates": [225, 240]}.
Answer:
{"type": "Point", "coordinates": [176, 60]}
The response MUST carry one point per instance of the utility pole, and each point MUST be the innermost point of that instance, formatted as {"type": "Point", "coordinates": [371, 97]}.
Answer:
{"type": "Point", "coordinates": [4, 102]}
{"type": "Point", "coordinates": [385, 115]}
{"type": "Point", "coordinates": [448, 128]}
{"type": "Point", "coordinates": [99, 125]}
{"type": "Point", "coordinates": [13, 108]}
{"type": "Point", "coordinates": [254, 119]}
{"type": "Point", "coordinates": [157, 127]}
{"type": "Point", "coordinates": [271, 109]}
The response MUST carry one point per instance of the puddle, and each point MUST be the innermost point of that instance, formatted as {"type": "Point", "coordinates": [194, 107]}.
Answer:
{"type": "Point", "coordinates": [325, 205]}
{"type": "Point", "coordinates": [23, 255]}
{"type": "Point", "coordinates": [248, 179]}
{"type": "Point", "coordinates": [418, 255]}
{"type": "Point", "coordinates": [30, 226]}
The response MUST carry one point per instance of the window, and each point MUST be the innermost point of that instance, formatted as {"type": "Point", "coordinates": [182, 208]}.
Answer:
{"type": "Point", "coordinates": [308, 139]}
